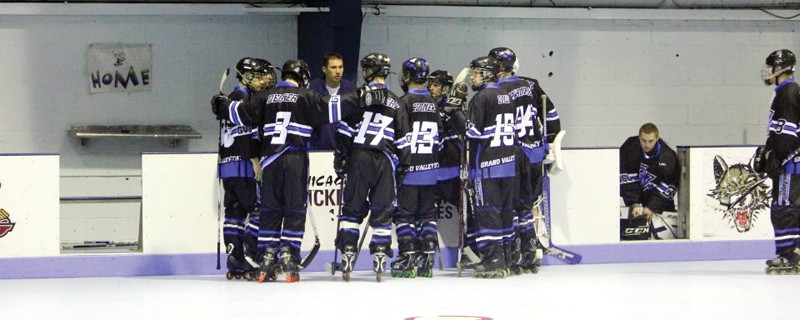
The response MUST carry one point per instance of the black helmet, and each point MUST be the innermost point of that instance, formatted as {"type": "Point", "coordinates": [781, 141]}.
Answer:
{"type": "Point", "coordinates": [507, 58]}
{"type": "Point", "coordinates": [778, 62]}
{"type": "Point", "coordinates": [375, 65]}
{"type": "Point", "coordinates": [247, 68]}
{"type": "Point", "coordinates": [487, 68]}
{"type": "Point", "coordinates": [298, 70]}
{"type": "Point", "coordinates": [414, 70]}
{"type": "Point", "coordinates": [442, 78]}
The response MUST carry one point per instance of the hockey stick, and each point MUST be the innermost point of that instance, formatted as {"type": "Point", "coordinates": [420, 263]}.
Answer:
{"type": "Point", "coordinates": [465, 192]}
{"type": "Point", "coordinates": [439, 251]}
{"type": "Point", "coordinates": [223, 79]}
{"type": "Point", "coordinates": [361, 243]}
{"type": "Point", "coordinates": [335, 265]}
{"type": "Point", "coordinates": [219, 180]}
{"type": "Point", "coordinates": [567, 256]}
{"type": "Point", "coordinates": [763, 179]}
{"type": "Point", "coordinates": [313, 253]}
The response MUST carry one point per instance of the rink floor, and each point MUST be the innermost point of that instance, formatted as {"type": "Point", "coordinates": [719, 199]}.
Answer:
{"type": "Point", "coordinates": [674, 290]}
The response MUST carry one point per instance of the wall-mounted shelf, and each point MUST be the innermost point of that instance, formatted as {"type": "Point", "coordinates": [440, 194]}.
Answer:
{"type": "Point", "coordinates": [173, 133]}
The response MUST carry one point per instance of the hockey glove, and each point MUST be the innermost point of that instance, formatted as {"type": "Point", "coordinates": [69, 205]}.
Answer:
{"type": "Point", "coordinates": [218, 102]}
{"type": "Point", "coordinates": [340, 164]}
{"type": "Point", "coordinates": [456, 98]}
{"type": "Point", "coordinates": [372, 95]}
{"type": "Point", "coordinates": [765, 161]}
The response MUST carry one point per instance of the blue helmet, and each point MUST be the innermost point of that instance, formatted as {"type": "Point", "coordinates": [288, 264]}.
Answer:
{"type": "Point", "coordinates": [507, 58]}
{"type": "Point", "coordinates": [414, 70]}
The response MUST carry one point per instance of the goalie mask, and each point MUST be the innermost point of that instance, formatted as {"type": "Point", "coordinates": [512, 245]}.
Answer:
{"type": "Point", "coordinates": [483, 71]}
{"type": "Point", "coordinates": [439, 82]}
{"type": "Point", "coordinates": [415, 70]}
{"type": "Point", "coordinates": [257, 74]}
{"type": "Point", "coordinates": [297, 70]}
{"type": "Point", "coordinates": [778, 62]}
{"type": "Point", "coordinates": [507, 58]}
{"type": "Point", "coordinates": [375, 65]}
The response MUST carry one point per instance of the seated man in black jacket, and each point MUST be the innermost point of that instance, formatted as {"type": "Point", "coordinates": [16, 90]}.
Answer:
{"type": "Point", "coordinates": [648, 181]}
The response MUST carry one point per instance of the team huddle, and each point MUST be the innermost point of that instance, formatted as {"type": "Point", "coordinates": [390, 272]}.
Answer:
{"type": "Point", "coordinates": [399, 157]}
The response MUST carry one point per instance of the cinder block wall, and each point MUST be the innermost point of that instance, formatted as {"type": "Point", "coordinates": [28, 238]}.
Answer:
{"type": "Point", "coordinates": [699, 80]}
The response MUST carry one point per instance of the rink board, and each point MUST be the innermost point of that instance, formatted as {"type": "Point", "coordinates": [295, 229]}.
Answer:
{"type": "Point", "coordinates": [29, 221]}
{"type": "Point", "coordinates": [180, 218]}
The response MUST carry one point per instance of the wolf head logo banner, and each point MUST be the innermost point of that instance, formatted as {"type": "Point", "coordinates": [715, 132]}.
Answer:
{"type": "Point", "coordinates": [731, 182]}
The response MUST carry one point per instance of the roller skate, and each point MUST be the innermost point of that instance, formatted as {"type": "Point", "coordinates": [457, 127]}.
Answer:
{"type": "Point", "coordinates": [379, 262]}
{"type": "Point", "coordinates": [268, 270]}
{"type": "Point", "coordinates": [289, 266]}
{"type": "Point", "coordinates": [531, 260]}
{"type": "Point", "coordinates": [348, 259]}
{"type": "Point", "coordinates": [251, 271]}
{"type": "Point", "coordinates": [236, 268]}
{"type": "Point", "coordinates": [468, 260]}
{"type": "Point", "coordinates": [492, 265]}
{"type": "Point", "coordinates": [483, 272]}
{"type": "Point", "coordinates": [405, 266]}
{"type": "Point", "coordinates": [425, 260]}
{"type": "Point", "coordinates": [789, 264]}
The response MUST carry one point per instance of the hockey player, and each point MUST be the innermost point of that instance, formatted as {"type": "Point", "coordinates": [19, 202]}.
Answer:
{"type": "Point", "coordinates": [370, 179]}
{"type": "Point", "coordinates": [238, 168]}
{"type": "Point", "coordinates": [286, 115]}
{"type": "Point", "coordinates": [648, 179]}
{"type": "Point", "coordinates": [452, 103]}
{"type": "Point", "coordinates": [439, 84]}
{"type": "Point", "coordinates": [525, 94]}
{"type": "Point", "coordinates": [492, 166]}
{"type": "Point", "coordinates": [778, 158]}
{"type": "Point", "coordinates": [417, 210]}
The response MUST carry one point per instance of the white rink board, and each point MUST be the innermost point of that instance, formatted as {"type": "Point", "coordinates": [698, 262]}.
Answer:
{"type": "Point", "coordinates": [708, 219]}
{"type": "Point", "coordinates": [179, 203]}
{"type": "Point", "coordinates": [29, 194]}
{"type": "Point", "coordinates": [585, 198]}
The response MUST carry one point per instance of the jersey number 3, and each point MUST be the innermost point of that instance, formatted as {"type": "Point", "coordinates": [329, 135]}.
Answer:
{"type": "Point", "coordinates": [282, 119]}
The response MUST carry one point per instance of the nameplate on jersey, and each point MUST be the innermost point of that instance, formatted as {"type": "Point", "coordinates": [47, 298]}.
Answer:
{"type": "Point", "coordinates": [503, 99]}
{"type": "Point", "coordinates": [282, 97]}
{"type": "Point", "coordinates": [423, 107]}
{"type": "Point", "coordinates": [520, 92]}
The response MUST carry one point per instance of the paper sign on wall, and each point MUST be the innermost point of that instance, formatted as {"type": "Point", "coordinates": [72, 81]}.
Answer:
{"type": "Point", "coordinates": [119, 67]}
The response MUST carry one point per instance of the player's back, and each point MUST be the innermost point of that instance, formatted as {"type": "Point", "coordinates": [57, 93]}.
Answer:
{"type": "Point", "coordinates": [420, 150]}
{"type": "Point", "coordinates": [380, 126]}
{"type": "Point", "coordinates": [491, 131]}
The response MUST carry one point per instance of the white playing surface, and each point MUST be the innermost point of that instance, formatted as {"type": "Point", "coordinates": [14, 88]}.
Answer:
{"type": "Point", "coordinates": [675, 290]}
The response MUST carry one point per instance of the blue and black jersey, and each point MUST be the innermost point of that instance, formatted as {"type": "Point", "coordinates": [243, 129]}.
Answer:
{"type": "Point", "coordinates": [650, 179]}
{"type": "Point", "coordinates": [422, 143]}
{"type": "Point", "coordinates": [784, 123]}
{"type": "Point", "coordinates": [288, 114]}
{"type": "Point", "coordinates": [378, 127]}
{"type": "Point", "coordinates": [528, 124]}
{"type": "Point", "coordinates": [491, 134]}
{"type": "Point", "coordinates": [238, 143]}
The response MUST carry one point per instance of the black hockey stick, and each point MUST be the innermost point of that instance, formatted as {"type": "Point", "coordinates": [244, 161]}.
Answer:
{"type": "Point", "coordinates": [335, 265]}
{"type": "Point", "coordinates": [567, 256]}
{"type": "Point", "coordinates": [750, 190]}
{"type": "Point", "coordinates": [361, 242]}
{"type": "Point", "coordinates": [219, 180]}
{"type": "Point", "coordinates": [465, 193]}
{"type": "Point", "coordinates": [313, 253]}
